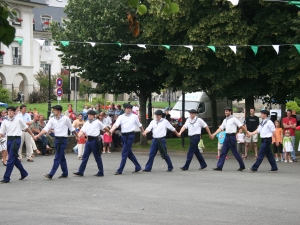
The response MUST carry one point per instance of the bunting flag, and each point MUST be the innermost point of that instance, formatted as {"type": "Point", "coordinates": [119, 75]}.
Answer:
{"type": "Point", "coordinates": [167, 46]}
{"type": "Point", "coordinates": [118, 43]}
{"type": "Point", "coordinates": [233, 48]}
{"type": "Point", "coordinates": [142, 46]}
{"type": "Point", "coordinates": [213, 48]}
{"type": "Point", "coordinates": [189, 46]}
{"type": "Point", "coordinates": [92, 44]}
{"type": "Point", "coordinates": [297, 46]}
{"type": "Point", "coordinates": [276, 47]}
{"type": "Point", "coordinates": [19, 40]}
{"type": "Point", "coordinates": [65, 43]}
{"type": "Point", "coordinates": [234, 2]}
{"type": "Point", "coordinates": [41, 42]}
{"type": "Point", "coordinates": [254, 49]}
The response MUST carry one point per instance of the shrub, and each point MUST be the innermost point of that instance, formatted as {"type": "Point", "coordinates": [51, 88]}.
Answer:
{"type": "Point", "coordinates": [99, 101]}
{"type": "Point", "coordinates": [40, 96]}
{"type": "Point", "coordinates": [293, 106]}
{"type": "Point", "coordinates": [4, 95]}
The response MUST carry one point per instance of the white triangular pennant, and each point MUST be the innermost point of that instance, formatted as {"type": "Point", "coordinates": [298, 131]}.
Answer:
{"type": "Point", "coordinates": [234, 2]}
{"type": "Point", "coordinates": [233, 48]}
{"type": "Point", "coordinates": [92, 43]}
{"type": "Point", "coordinates": [41, 42]}
{"type": "Point", "coordinates": [142, 46]}
{"type": "Point", "coordinates": [276, 47]}
{"type": "Point", "coordinates": [190, 47]}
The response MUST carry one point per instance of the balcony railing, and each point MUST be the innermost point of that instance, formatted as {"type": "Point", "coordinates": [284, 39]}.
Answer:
{"type": "Point", "coordinates": [46, 27]}
{"type": "Point", "coordinates": [1, 59]}
{"type": "Point", "coordinates": [17, 60]}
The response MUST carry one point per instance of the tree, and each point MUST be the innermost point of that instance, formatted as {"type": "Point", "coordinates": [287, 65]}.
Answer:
{"type": "Point", "coordinates": [4, 95]}
{"type": "Point", "coordinates": [116, 68]}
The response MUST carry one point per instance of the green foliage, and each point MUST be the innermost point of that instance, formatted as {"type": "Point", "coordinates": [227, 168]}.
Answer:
{"type": "Point", "coordinates": [293, 106]}
{"type": "Point", "coordinates": [100, 101]}
{"type": "Point", "coordinates": [4, 95]}
{"type": "Point", "coordinates": [7, 32]}
{"type": "Point", "coordinates": [40, 96]}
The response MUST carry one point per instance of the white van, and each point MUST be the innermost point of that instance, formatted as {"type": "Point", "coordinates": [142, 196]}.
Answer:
{"type": "Point", "coordinates": [200, 102]}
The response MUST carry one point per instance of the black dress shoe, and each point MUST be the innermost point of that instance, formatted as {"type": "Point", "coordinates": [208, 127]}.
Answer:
{"type": "Point", "coordinates": [170, 170]}
{"type": "Point", "coordinates": [146, 170]}
{"type": "Point", "coordinates": [23, 177]}
{"type": "Point", "coordinates": [183, 169]}
{"type": "Point", "coordinates": [3, 182]}
{"type": "Point", "coordinates": [273, 171]}
{"type": "Point", "coordinates": [117, 173]}
{"type": "Point", "coordinates": [241, 169]}
{"type": "Point", "coordinates": [217, 169]}
{"type": "Point", "coordinates": [63, 176]}
{"type": "Point", "coordinates": [48, 176]}
{"type": "Point", "coordinates": [78, 174]}
{"type": "Point", "coordinates": [136, 171]}
{"type": "Point", "coordinates": [202, 168]}
{"type": "Point", "coordinates": [98, 175]}
{"type": "Point", "coordinates": [251, 170]}
{"type": "Point", "coordinates": [295, 160]}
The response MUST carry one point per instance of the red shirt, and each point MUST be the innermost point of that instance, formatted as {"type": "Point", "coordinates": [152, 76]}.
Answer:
{"type": "Point", "coordinates": [107, 138]}
{"type": "Point", "coordinates": [290, 121]}
{"type": "Point", "coordinates": [81, 140]}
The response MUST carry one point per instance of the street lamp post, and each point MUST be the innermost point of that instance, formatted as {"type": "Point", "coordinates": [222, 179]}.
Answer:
{"type": "Point", "coordinates": [49, 62]}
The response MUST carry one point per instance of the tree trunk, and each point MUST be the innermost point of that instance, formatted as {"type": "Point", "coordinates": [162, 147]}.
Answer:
{"type": "Point", "coordinates": [214, 115]}
{"type": "Point", "coordinates": [143, 100]}
{"type": "Point", "coordinates": [249, 103]}
{"type": "Point", "coordinates": [283, 113]}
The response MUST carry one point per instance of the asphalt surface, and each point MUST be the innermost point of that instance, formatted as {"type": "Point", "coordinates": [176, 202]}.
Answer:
{"type": "Point", "coordinates": [159, 197]}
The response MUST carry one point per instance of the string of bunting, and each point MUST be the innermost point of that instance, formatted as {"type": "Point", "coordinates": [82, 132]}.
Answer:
{"type": "Point", "coordinates": [191, 47]}
{"type": "Point", "coordinates": [296, 3]}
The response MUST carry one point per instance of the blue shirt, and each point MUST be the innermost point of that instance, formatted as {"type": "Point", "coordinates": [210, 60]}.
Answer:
{"type": "Point", "coordinates": [221, 137]}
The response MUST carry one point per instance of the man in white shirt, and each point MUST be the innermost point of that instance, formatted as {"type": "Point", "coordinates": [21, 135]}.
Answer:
{"type": "Point", "coordinates": [13, 126]}
{"type": "Point", "coordinates": [106, 119]}
{"type": "Point", "coordinates": [266, 129]}
{"type": "Point", "coordinates": [26, 118]}
{"type": "Point", "coordinates": [159, 128]}
{"type": "Point", "coordinates": [128, 122]}
{"type": "Point", "coordinates": [194, 126]}
{"type": "Point", "coordinates": [60, 124]}
{"type": "Point", "coordinates": [230, 125]}
{"type": "Point", "coordinates": [91, 129]}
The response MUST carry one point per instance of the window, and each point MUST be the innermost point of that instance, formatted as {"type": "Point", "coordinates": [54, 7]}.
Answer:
{"type": "Point", "coordinates": [47, 43]}
{"type": "Point", "coordinates": [18, 21]}
{"type": "Point", "coordinates": [201, 108]}
{"type": "Point", "coordinates": [46, 20]}
{"type": "Point", "coordinates": [16, 55]}
{"type": "Point", "coordinates": [45, 68]}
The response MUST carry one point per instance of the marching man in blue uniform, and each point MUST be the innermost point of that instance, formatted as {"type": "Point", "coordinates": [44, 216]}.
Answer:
{"type": "Point", "coordinates": [159, 128]}
{"type": "Point", "coordinates": [128, 122]}
{"type": "Point", "coordinates": [60, 124]}
{"type": "Point", "coordinates": [194, 126]}
{"type": "Point", "coordinates": [13, 127]}
{"type": "Point", "coordinates": [266, 129]}
{"type": "Point", "coordinates": [91, 129]}
{"type": "Point", "coordinates": [230, 125]}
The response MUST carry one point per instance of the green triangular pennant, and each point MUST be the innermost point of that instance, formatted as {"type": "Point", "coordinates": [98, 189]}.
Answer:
{"type": "Point", "coordinates": [212, 48]}
{"type": "Point", "coordinates": [254, 49]}
{"type": "Point", "coordinates": [296, 3]}
{"type": "Point", "coordinates": [118, 43]}
{"type": "Point", "coordinates": [19, 40]}
{"type": "Point", "coordinates": [297, 46]}
{"type": "Point", "coordinates": [167, 46]}
{"type": "Point", "coordinates": [65, 43]}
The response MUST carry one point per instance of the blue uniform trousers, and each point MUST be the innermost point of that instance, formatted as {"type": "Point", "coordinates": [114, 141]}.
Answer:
{"type": "Point", "coordinates": [265, 150]}
{"type": "Point", "coordinates": [230, 143]}
{"type": "Point", "coordinates": [127, 142]}
{"type": "Point", "coordinates": [152, 154]}
{"type": "Point", "coordinates": [13, 160]}
{"type": "Point", "coordinates": [60, 159]}
{"type": "Point", "coordinates": [193, 149]}
{"type": "Point", "coordinates": [91, 146]}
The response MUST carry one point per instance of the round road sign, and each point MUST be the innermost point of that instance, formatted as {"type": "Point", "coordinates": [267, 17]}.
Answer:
{"type": "Point", "coordinates": [59, 92]}
{"type": "Point", "coordinates": [59, 82]}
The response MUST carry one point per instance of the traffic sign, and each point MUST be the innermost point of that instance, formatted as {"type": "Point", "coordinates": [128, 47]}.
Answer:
{"type": "Point", "coordinates": [59, 92]}
{"type": "Point", "coordinates": [59, 82]}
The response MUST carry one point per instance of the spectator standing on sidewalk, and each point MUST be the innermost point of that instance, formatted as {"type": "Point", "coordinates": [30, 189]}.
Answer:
{"type": "Point", "coordinates": [251, 122]}
{"type": "Point", "coordinates": [290, 124]}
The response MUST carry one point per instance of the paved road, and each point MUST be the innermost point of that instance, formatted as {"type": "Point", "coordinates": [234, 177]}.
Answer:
{"type": "Point", "coordinates": [159, 197]}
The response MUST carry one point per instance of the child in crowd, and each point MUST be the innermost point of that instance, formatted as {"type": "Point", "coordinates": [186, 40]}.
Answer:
{"type": "Point", "coordinates": [240, 137]}
{"type": "Point", "coordinates": [279, 137]}
{"type": "Point", "coordinates": [287, 146]}
{"type": "Point", "coordinates": [107, 140]}
{"type": "Point", "coordinates": [221, 138]}
{"type": "Point", "coordinates": [81, 144]}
